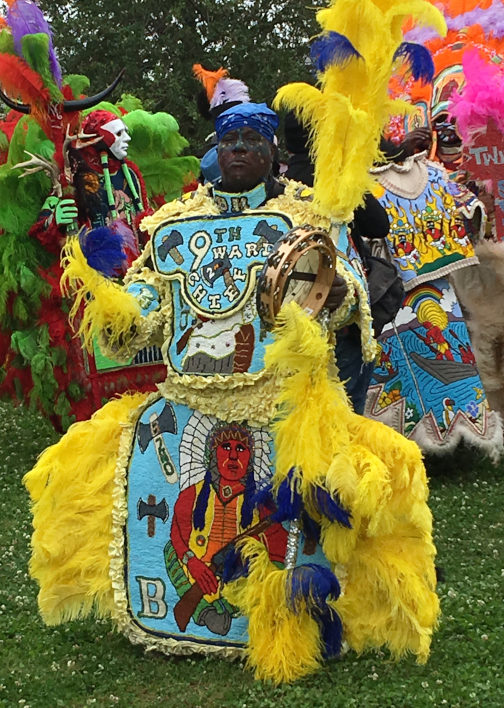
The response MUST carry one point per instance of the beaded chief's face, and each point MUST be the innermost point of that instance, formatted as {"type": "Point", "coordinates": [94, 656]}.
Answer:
{"type": "Point", "coordinates": [121, 138]}
{"type": "Point", "coordinates": [233, 457]}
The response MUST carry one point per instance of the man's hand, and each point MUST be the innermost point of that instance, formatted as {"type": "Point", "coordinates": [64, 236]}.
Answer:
{"type": "Point", "coordinates": [418, 140]}
{"type": "Point", "coordinates": [203, 576]}
{"type": "Point", "coordinates": [336, 293]}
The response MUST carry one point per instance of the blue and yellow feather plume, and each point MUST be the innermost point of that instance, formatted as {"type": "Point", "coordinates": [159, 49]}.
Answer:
{"type": "Point", "coordinates": [355, 55]}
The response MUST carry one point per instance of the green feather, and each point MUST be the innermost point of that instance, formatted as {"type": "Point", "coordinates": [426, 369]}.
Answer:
{"type": "Point", "coordinates": [35, 49]}
{"type": "Point", "coordinates": [25, 343]}
{"type": "Point", "coordinates": [155, 147]}
{"type": "Point", "coordinates": [6, 42]}
{"type": "Point", "coordinates": [104, 106]}
{"type": "Point", "coordinates": [75, 391]}
{"type": "Point", "coordinates": [4, 141]}
{"type": "Point", "coordinates": [78, 83]}
{"type": "Point", "coordinates": [129, 103]}
{"type": "Point", "coordinates": [157, 133]}
{"type": "Point", "coordinates": [168, 176]}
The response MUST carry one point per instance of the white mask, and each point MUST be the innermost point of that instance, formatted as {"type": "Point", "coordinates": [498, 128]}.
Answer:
{"type": "Point", "coordinates": [119, 147]}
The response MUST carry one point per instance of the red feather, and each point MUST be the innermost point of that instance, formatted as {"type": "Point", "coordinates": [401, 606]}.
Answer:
{"type": "Point", "coordinates": [20, 82]}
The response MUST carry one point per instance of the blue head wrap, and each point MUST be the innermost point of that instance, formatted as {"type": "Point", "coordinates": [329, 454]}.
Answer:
{"type": "Point", "coordinates": [252, 115]}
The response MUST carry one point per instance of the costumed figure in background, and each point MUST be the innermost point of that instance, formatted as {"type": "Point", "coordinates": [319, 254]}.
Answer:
{"type": "Point", "coordinates": [190, 522]}
{"type": "Point", "coordinates": [36, 343]}
{"type": "Point", "coordinates": [471, 26]}
{"type": "Point", "coordinates": [426, 384]}
{"type": "Point", "coordinates": [40, 362]}
{"type": "Point", "coordinates": [474, 44]}
{"type": "Point", "coordinates": [219, 93]}
{"type": "Point", "coordinates": [109, 189]}
{"type": "Point", "coordinates": [477, 110]}
{"type": "Point", "coordinates": [108, 193]}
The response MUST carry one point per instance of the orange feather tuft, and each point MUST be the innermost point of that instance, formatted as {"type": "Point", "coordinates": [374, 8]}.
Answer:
{"type": "Point", "coordinates": [209, 79]}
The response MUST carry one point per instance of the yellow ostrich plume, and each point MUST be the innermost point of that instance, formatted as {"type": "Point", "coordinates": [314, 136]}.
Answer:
{"type": "Point", "coordinates": [107, 307]}
{"type": "Point", "coordinates": [360, 43]}
{"type": "Point", "coordinates": [72, 515]}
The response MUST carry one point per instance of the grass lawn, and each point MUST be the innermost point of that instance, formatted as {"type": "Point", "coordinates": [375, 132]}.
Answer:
{"type": "Point", "coordinates": [87, 663]}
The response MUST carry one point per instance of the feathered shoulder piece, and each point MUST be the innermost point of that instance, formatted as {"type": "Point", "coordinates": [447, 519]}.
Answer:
{"type": "Point", "coordinates": [355, 54]}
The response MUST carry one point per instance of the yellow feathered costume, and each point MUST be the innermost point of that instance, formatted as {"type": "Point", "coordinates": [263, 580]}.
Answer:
{"type": "Point", "coordinates": [362, 484]}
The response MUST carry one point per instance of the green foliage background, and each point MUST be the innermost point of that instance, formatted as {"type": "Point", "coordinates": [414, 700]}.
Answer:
{"type": "Point", "coordinates": [260, 42]}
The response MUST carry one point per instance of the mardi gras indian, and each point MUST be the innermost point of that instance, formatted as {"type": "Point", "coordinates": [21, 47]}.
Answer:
{"type": "Point", "coordinates": [207, 527]}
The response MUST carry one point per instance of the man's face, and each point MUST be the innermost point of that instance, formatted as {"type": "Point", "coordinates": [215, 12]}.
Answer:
{"type": "Point", "coordinates": [233, 458]}
{"type": "Point", "coordinates": [245, 158]}
{"type": "Point", "coordinates": [119, 140]}
{"type": "Point", "coordinates": [449, 142]}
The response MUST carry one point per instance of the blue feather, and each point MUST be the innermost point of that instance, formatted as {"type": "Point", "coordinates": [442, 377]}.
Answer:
{"type": "Point", "coordinates": [311, 528]}
{"type": "Point", "coordinates": [233, 566]}
{"type": "Point", "coordinates": [330, 507]}
{"type": "Point", "coordinates": [311, 587]}
{"type": "Point", "coordinates": [264, 497]}
{"type": "Point", "coordinates": [332, 48]}
{"type": "Point", "coordinates": [331, 630]}
{"type": "Point", "coordinates": [288, 503]}
{"type": "Point", "coordinates": [313, 584]}
{"type": "Point", "coordinates": [288, 500]}
{"type": "Point", "coordinates": [103, 250]}
{"type": "Point", "coordinates": [419, 59]}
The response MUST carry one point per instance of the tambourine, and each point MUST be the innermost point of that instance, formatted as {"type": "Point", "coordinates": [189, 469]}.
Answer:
{"type": "Point", "coordinates": [300, 268]}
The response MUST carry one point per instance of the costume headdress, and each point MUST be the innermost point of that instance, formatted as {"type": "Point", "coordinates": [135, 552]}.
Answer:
{"type": "Point", "coordinates": [354, 61]}
{"type": "Point", "coordinates": [94, 122]}
{"type": "Point", "coordinates": [460, 14]}
{"type": "Point", "coordinates": [31, 82]}
{"type": "Point", "coordinates": [221, 92]}
{"type": "Point", "coordinates": [482, 97]}
{"type": "Point", "coordinates": [253, 115]}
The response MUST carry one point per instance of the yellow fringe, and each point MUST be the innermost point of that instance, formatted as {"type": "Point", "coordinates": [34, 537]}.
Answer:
{"type": "Point", "coordinates": [71, 488]}
{"type": "Point", "coordinates": [347, 115]}
{"type": "Point", "coordinates": [101, 304]}
{"type": "Point", "coordinates": [283, 645]}
{"type": "Point", "coordinates": [389, 596]}
{"type": "Point", "coordinates": [200, 203]}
